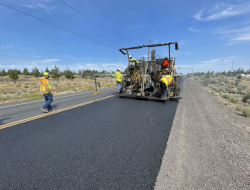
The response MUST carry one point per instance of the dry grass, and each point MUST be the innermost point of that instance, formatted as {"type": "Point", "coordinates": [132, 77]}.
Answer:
{"type": "Point", "coordinates": [230, 96]}
{"type": "Point", "coordinates": [27, 87]}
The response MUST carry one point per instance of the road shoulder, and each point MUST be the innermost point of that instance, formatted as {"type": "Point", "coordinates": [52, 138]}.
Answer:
{"type": "Point", "coordinates": [208, 147]}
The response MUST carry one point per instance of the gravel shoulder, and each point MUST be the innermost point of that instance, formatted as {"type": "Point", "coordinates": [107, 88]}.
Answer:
{"type": "Point", "coordinates": [208, 147]}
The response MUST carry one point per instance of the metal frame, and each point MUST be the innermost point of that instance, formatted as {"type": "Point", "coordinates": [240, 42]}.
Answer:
{"type": "Point", "coordinates": [124, 51]}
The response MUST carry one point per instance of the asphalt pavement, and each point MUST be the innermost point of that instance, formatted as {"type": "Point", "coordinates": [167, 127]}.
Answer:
{"type": "Point", "coordinates": [16, 111]}
{"type": "Point", "coordinates": [116, 143]}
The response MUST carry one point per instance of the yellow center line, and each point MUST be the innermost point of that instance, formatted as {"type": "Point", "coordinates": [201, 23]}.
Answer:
{"type": "Point", "coordinates": [51, 113]}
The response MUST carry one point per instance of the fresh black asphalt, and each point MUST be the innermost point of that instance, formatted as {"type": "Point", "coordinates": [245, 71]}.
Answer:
{"type": "Point", "coordinates": [116, 143]}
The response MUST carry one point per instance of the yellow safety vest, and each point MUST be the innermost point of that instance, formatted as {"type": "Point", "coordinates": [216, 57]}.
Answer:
{"type": "Point", "coordinates": [133, 59]}
{"type": "Point", "coordinates": [43, 90]}
{"type": "Point", "coordinates": [167, 79]}
{"type": "Point", "coordinates": [118, 76]}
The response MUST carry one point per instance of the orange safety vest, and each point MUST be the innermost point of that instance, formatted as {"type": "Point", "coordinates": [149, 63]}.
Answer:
{"type": "Point", "coordinates": [165, 63]}
{"type": "Point", "coordinates": [42, 88]}
{"type": "Point", "coordinates": [167, 79]}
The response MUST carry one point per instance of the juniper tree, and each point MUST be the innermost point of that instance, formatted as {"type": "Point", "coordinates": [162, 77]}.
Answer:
{"type": "Point", "coordinates": [55, 73]}
{"type": "Point", "coordinates": [13, 74]}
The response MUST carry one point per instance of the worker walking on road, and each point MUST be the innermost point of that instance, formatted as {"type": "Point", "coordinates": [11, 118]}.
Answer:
{"type": "Point", "coordinates": [45, 89]}
{"type": "Point", "coordinates": [165, 81]}
{"type": "Point", "coordinates": [118, 76]}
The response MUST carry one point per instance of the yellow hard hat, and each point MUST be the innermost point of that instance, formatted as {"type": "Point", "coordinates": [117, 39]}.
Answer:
{"type": "Point", "coordinates": [46, 74]}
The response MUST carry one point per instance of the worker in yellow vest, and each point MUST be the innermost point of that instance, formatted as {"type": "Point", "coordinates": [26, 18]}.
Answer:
{"type": "Point", "coordinates": [132, 59]}
{"type": "Point", "coordinates": [45, 89]}
{"type": "Point", "coordinates": [165, 81]}
{"type": "Point", "coordinates": [118, 76]}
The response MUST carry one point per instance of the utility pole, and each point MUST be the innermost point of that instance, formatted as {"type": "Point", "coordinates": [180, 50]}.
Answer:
{"type": "Point", "coordinates": [233, 66]}
{"type": "Point", "coordinates": [148, 47]}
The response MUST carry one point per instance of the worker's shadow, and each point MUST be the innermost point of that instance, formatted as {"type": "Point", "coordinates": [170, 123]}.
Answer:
{"type": "Point", "coordinates": [2, 120]}
{"type": "Point", "coordinates": [54, 106]}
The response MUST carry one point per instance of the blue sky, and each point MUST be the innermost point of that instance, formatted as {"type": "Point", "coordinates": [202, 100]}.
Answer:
{"type": "Point", "coordinates": [211, 34]}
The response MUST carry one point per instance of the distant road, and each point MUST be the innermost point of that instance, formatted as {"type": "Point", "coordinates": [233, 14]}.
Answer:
{"type": "Point", "coordinates": [115, 143]}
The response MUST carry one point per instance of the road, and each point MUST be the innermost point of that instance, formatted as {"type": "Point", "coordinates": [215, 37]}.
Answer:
{"type": "Point", "coordinates": [115, 143]}
{"type": "Point", "coordinates": [16, 111]}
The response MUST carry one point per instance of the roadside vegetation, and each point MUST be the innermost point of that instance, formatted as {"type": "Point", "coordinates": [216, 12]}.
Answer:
{"type": "Point", "coordinates": [18, 86]}
{"type": "Point", "coordinates": [232, 89]}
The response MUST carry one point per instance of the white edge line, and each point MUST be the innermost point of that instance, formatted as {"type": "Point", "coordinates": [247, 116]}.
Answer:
{"type": "Point", "coordinates": [54, 98]}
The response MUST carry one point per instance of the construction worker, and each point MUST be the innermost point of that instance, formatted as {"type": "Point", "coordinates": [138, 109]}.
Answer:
{"type": "Point", "coordinates": [132, 59]}
{"type": "Point", "coordinates": [45, 89]}
{"type": "Point", "coordinates": [135, 76]}
{"type": "Point", "coordinates": [165, 81]}
{"type": "Point", "coordinates": [118, 76]}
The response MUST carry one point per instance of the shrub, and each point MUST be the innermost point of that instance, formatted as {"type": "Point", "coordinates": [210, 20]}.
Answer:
{"type": "Point", "coordinates": [238, 108]}
{"type": "Point", "coordinates": [216, 94]}
{"type": "Point", "coordinates": [246, 97]}
{"type": "Point", "coordinates": [244, 92]}
{"type": "Point", "coordinates": [226, 96]}
{"type": "Point", "coordinates": [213, 81]}
{"type": "Point", "coordinates": [221, 83]}
{"type": "Point", "coordinates": [241, 88]}
{"type": "Point", "coordinates": [205, 82]}
{"type": "Point", "coordinates": [18, 85]}
{"type": "Point", "coordinates": [237, 81]}
{"type": "Point", "coordinates": [233, 99]}
{"type": "Point", "coordinates": [234, 90]}
{"type": "Point", "coordinates": [4, 97]}
{"type": "Point", "coordinates": [210, 86]}
{"type": "Point", "coordinates": [246, 111]}
{"type": "Point", "coordinates": [19, 92]}
{"type": "Point", "coordinates": [226, 81]}
{"type": "Point", "coordinates": [248, 101]}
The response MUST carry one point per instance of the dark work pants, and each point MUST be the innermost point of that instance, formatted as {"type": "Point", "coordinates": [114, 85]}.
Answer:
{"type": "Point", "coordinates": [48, 100]}
{"type": "Point", "coordinates": [163, 88]}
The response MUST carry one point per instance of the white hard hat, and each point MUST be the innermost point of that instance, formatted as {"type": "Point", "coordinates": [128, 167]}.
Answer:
{"type": "Point", "coordinates": [130, 55]}
{"type": "Point", "coordinates": [118, 69]}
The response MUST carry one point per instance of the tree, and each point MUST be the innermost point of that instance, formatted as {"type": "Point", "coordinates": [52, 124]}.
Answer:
{"type": "Point", "coordinates": [35, 72]}
{"type": "Point", "coordinates": [3, 73]}
{"type": "Point", "coordinates": [69, 74]}
{"type": "Point", "coordinates": [47, 70]}
{"type": "Point", "coordinates": [79, 72]}
{"type": "Point", "coordinates": [26, 71]}
{"type": "Point", "coordinates": [13, 74]}
{"type": "Point", "coordinates": [55, 73]}
{"type": "Point", "coordinates": [209, 74]}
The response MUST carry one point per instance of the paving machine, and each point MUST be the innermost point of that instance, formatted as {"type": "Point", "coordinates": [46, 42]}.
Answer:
{"type": "Point", "coordinates": [142, 78]}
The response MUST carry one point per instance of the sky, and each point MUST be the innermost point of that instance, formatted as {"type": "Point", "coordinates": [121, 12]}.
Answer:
{"type": "Point", "coordinates": [87, 34]}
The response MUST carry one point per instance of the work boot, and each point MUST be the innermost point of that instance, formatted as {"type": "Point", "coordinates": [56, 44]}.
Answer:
{"type": "Point", "coordinates": [44, 110]}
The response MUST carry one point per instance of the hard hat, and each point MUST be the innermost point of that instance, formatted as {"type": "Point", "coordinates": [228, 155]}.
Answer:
{"type": "Point", "coordinates": [130, 55]}
{"type": "Point", "coordinates": [46, 74]}
{"type": "Point", "coordinates": [118, 69]}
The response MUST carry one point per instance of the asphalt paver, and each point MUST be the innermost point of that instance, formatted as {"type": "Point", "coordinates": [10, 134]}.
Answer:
{"type": "Point", "coordinates": [116, 143]}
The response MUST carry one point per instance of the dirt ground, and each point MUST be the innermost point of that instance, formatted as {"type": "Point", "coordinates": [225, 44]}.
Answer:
{"type": "Point", "coordinates": [208, 147]}
{"type": "Point", "coordinates": [28, 87]}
